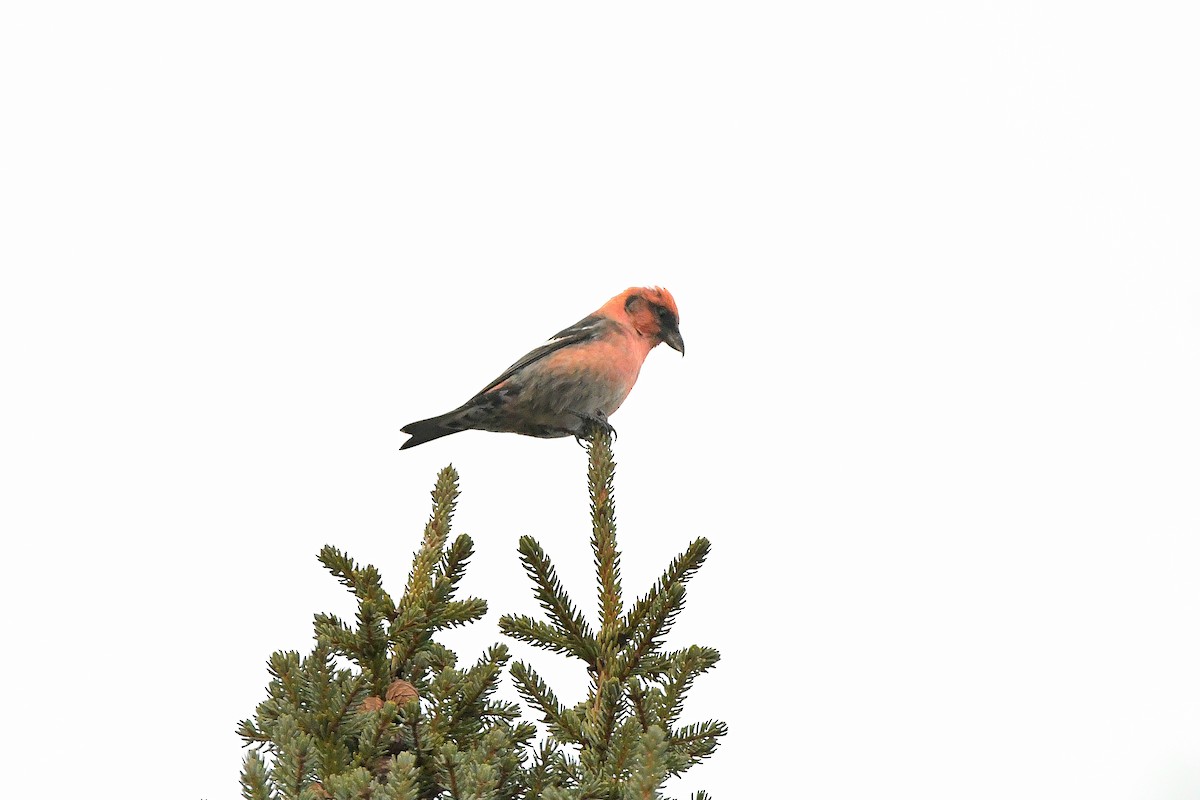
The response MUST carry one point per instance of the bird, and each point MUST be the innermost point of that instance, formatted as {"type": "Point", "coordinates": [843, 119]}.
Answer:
{"type": "Point", "coordinates": [575, 380]}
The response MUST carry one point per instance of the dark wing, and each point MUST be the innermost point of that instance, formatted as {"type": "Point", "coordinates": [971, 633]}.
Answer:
{"type": "Point", "coordinates": [587, 329]}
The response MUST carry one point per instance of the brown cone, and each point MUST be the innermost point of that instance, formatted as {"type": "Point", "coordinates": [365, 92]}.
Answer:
{"type": "Point", "coordinates": [400, 692]}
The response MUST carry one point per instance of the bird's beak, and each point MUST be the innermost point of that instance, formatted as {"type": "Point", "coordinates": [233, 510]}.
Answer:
{"type": "Point", "coordinates": [670, 335]}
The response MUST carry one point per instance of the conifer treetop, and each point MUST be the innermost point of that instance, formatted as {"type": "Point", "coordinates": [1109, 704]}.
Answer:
{"type": "Point", "coordinates": [626, 732]}
{"type": "Point", "coordinates": [380, 709]}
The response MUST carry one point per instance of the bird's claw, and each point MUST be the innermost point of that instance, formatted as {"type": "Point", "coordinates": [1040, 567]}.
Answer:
{"type": "Point", "coordinates": [598, 419]}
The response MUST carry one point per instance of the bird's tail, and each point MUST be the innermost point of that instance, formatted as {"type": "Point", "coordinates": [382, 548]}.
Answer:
{"type": "Point", "coordinates": [427, 430]}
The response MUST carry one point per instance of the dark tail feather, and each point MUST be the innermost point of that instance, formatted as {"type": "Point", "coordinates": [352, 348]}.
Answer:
{"type": "Point", "coordinates": [427, 430]}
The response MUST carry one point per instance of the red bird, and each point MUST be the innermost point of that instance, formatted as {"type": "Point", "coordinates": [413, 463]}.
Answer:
{"type": "Point", "coordinates": [580, 376]}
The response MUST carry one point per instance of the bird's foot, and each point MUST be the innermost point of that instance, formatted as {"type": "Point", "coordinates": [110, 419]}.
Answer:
{"type": "Point", "coordinates": [597, 420]}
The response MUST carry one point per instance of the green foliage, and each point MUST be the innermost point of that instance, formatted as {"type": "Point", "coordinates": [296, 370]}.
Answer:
{"type": "Point", "coordinates": [624, 739]}
{"type": "Point", "coordinates": [379, 709]}
{"type": "Point", "coordinates": [402, 722]}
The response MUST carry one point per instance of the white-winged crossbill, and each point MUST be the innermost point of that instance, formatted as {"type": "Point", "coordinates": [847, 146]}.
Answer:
{"type": "Point", "coordinates": [579, 377]}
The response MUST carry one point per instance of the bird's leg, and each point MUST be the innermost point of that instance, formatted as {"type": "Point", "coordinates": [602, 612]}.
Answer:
{"type": "Point", "coordinates": [599, 419]}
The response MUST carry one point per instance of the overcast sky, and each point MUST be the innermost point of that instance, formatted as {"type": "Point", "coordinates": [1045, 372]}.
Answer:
{"type": "Point", "coordinates": [938, 272]}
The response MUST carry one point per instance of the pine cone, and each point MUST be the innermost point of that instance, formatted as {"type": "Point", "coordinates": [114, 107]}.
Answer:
{"type": "Point", "coordinates": [400, 692]}
{"type": "Point", "coordinates": [370, 704]}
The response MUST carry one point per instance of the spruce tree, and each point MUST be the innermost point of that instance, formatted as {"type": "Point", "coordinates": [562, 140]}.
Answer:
{"type": "Point", "coordinates": [379, 709]}
{"type": "Point", "coordinates": [403, 722]}
{"type": "Point", "coordinates": [624, 739]}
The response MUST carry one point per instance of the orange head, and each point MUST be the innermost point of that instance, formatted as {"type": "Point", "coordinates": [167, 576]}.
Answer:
{"type": "Point", "coordinates": [649, 310]}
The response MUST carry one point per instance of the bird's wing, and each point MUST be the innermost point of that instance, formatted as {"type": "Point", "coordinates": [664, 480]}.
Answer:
{"type": "Point", "coordinates": [587, 329]}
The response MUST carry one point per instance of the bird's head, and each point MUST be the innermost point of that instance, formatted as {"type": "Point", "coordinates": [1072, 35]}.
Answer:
{"type": "Point", "coordinates": [652, 312]}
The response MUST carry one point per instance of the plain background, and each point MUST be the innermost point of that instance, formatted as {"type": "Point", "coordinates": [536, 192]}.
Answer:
{"type": "Point", "coordinates": [939, 278]}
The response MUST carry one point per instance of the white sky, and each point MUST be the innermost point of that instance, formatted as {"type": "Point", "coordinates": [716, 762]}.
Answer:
{"type": "Point", "coordinates": [939, 277]}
